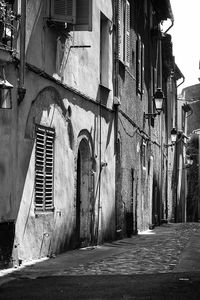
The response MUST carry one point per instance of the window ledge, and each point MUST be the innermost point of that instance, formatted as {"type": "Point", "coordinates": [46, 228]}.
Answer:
{"type": "Point", "coordinates": [124, 64]}
{"type": "Point", "coordinates": [102, 86]}
{"type": "Point", "coordinates": [43, 212]}
{"type": "Point", "coordinates": [5, 55]}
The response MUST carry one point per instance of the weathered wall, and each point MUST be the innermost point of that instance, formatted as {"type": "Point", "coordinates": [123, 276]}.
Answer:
{"type": "Point", "coordinates": [143, 193]}
{"type": "Point", "coordinates": [193, 92]}
{"type": "Point", "coordinates": [47, 103]}
{"type": "Point", "coordinates": [77, 67]}
{"type": "Point", "coordinates": [171, 151]}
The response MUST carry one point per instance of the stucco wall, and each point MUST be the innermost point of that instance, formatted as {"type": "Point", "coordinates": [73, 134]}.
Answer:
{"type": "Point", "coordinates": [79, 65]}
{"type": "Point", "coordinates": [73, 117]}
{"type": "Point", "coordinates": [42, 234]}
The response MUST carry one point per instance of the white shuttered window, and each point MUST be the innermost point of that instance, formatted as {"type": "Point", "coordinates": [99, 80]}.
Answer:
{"type": "Point", "coordinates": [123, 8]}
{"type": "Point", "coordinates": [76, 12]}
{"type": "Point", "coordinates": [127, 34]}
{"type": "Point", "coordinates": [44, 163]}
{"type": "Point", "coordinates": [62, 10]}
{"type": "Point", "coordinates": [140, 66]}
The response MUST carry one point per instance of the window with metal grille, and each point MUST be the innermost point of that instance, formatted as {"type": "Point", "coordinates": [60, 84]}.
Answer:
{"type": "Point", "coordinates": [123, 7]}
{"type": "Point", "coordinates": [140, 66]}
{"type": "Point", "coordinates": [76, 12]}
{"type": "Point", "coordinates": [44, 165]}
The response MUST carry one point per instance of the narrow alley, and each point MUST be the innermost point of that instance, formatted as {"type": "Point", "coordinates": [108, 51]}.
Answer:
{"type": "Point", "coordinates": [167, 259]}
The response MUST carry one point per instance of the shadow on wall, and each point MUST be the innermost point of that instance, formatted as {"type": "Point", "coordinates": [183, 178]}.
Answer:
{"type": "Point", "coordinates": [7, 232]}
{"type": "Point", "coordinates": [156, 202]}
{"type": "Point", "coordinates": [42, 112]}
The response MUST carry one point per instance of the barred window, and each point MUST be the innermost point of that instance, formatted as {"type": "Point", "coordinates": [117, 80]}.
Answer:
{"type": "Point", "coordinates": [76, 12]}
{"type": "Point", "coordinates": [124, 31]}
{"type": "Point", "coordinates": [140, 67]}
{"type": "Point", "coordinates": [44, 165]}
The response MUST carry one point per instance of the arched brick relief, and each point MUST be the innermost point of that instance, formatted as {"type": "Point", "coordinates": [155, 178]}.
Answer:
{"type": "Point", "coordinates": [84, 189]}
{"type": "Point", "coordinates": [42, 110]}
{"type": "Point", "coordinates": [85, 134]}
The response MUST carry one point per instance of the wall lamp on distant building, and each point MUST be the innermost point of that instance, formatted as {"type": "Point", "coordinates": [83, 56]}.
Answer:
{"type": "Point", "coordinates": [189, 160]}
{"type": "Point", "coordinates": [5, 92]}
{"type": "Point", "coordinates": [158, 101]}
{"type": "Point", "coordinates": [173, 138]}
{"type": "Point", "coordinates": [176, 137]}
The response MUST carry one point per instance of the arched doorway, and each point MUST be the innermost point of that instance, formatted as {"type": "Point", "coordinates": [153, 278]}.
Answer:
{"type": "Point", "coordinates": [84, 196]}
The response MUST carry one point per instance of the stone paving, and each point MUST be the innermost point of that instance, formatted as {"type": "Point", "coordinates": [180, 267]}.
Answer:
{"type": "Point", "coordinates": [157, 251]}
{"type": "Point", "coordinates": [152, 252]}
{"type": "Point", "coordinates": [159, 264]}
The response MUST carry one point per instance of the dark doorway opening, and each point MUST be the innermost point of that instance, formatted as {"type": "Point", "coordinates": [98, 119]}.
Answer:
{"type": "Point", "coordinates": [7, 233]}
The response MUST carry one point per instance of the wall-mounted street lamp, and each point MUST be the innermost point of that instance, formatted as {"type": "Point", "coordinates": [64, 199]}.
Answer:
{"type": "Point", "coordinates": [158, 101]}
{"type": "Point", "coordinates": [189, 161]}
{"type": "Point", "coordinates": [5, 92]}
{"type": "Point", "coordinates": [173, 138]}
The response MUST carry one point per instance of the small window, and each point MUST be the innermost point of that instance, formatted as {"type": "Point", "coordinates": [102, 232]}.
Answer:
{"type": "Point", "coordinates": [7, 29]}
{"type": "Point", "coordinates": [104, 51]}
{"type": "Point", "coordinates": [44, 163]}
{"type": "Point", "coordinates": [140, 67]}
{"type": "Point", "coordinates": [143, 154]}
{"type": "Point", "coordinates": [183, 117]}
{"type": "Point", "coordinates": [154, 88]}
{"type": "Point", "coordinates": [124, 31]}
{"type": "Point", "coordinates": [78, 13]}
{"type": "Point", "coordinates": [63, 10]}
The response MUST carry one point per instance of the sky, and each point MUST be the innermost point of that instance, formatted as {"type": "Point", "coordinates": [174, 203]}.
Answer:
{"type": "Point", "coordinates": [186, 39]}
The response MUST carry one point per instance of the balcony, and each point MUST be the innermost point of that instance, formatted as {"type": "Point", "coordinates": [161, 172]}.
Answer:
{"type": "Point", "coordinates": [7, 30]}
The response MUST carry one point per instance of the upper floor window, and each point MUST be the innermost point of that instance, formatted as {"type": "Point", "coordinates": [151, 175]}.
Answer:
{"type": "Point", "coordinates": [75, 12]}
{"type": "Point", "coordinates": [140, 66]}
{"type": "Point", "coordinates": [124, 31]}
{"type": "Point", "coordinates": [143, 153]}
{"type": "Point", "coordinates": [104, 51]}
{"type": "Point", "coordinates": [44, 163]}
{"type": "Point", "coordinates": [7, 17]}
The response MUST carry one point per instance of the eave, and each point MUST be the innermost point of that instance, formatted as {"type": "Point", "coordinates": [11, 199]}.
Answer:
{"type": "Point", "coordinates": [163, 9]}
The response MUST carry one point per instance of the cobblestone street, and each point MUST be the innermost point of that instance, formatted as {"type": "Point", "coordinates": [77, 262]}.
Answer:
{"type": "Point", "coordinates": [151, 252]}
{"type": "Point", "coordinates": [121, 265]}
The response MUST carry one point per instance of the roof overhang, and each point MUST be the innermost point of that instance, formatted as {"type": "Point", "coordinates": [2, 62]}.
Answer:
{"type": "Point", "coordinates": [163, 9]}
{"type": "Point", "coordinates": [177, 72]}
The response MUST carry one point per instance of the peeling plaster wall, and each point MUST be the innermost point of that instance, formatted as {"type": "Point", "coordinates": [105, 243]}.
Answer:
{"type": "Point", "coordinates": [78, 67]}
{"type": "Point", "coordinates": [41, 234]}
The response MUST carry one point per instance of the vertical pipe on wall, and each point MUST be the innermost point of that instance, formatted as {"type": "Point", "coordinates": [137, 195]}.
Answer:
{"type": "Point", "coordinates": [21, 89]}
{"type": "Point", "coordinates": [100, 170]}
{"type": "Point", "coordinates": [160, 63]}
{"type": "Point", "coordinates": [116, 94]}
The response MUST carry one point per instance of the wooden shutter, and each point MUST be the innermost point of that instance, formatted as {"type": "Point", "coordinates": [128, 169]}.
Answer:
{"type": "Point", "coordinates": [142, 68]}
{"type": "Point", "coordinates": [120, 29]}
{"type": "Point", "coordinates": [49, 169]}
{"type": "Point", "coordinates": [39, 168]}
{"type": "Point", "coordinates": [155, 80]}
{"type": "Point", "coordinates": [127, 34]}
{"type": "Point", "coordinates": [44, 159]}
{"type": "Point", "coordinates": [83, 15]}
{"type": "Point", "coordinates": [138, 66]}
{"type": "Point", "coordinates": [63, 10]}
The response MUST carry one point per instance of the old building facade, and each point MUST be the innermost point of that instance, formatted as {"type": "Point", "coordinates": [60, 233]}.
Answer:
{"type": "Point", "coordinates": [82, 161]}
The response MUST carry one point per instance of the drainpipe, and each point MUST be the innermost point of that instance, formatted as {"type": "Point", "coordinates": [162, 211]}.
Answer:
{"type": "Point", "coordinates": [100, 170]}
{"type": "Point", "coordinates": [116, 100]}
{"type": "Point", "coordinates": [21, 89]}
{"type": "Point", "coordinates": [181, 82]}
{"type": "Point", "coordinates": [176, 158]}
{"type": "Point", "coordinates": [172, 24]}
